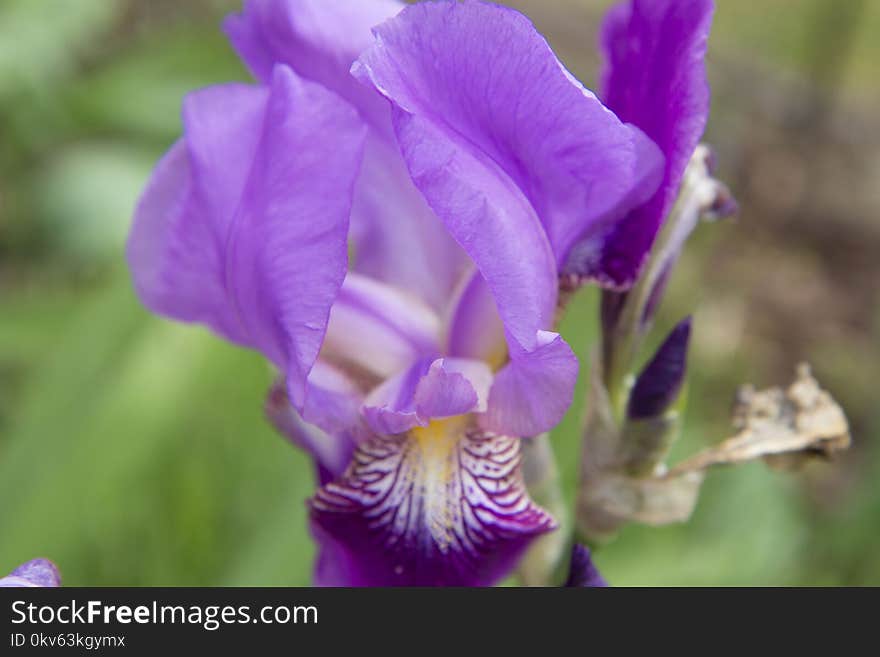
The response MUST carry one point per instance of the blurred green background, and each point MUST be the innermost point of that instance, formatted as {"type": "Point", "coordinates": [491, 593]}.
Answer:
{"type": "Point", "coordinates": [134, 452]}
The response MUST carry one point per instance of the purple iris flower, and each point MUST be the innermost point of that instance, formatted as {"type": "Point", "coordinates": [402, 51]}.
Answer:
{"type": "Point", "coordinates": [385, 216]}
{"type": "Point", "coordinates": [34, 573]}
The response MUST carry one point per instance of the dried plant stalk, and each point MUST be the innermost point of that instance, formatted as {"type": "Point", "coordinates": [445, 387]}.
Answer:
{"type": "Point", "coordinates": [785, 427]}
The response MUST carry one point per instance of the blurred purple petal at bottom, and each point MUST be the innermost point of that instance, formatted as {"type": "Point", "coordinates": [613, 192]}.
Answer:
{"type": "Point", "coordinates": [34, 573]}
{"type": "Point", "coordinates": [583, 572]}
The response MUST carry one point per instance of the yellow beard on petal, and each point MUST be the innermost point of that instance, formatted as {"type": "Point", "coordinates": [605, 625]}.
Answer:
{"type": "Point", "coordinates": [436, 445]}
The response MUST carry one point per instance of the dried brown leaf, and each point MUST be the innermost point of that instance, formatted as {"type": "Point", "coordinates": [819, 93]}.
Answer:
{"type": "Point", "coordinates": [802, 420]}
{"type": "Point", "coordinates": [784, 427]}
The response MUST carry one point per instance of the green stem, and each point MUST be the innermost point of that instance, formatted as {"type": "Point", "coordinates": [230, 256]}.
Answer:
{"type": "Point", "coordinates": [698, 189]}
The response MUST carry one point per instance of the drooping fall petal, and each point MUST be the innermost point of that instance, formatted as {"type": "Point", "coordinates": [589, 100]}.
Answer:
{"type": "Point", "coordinates": [438, 506]}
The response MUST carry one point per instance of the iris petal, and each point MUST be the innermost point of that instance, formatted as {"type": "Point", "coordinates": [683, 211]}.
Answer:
{"type": "Point", "coordinates": [531, 394]}
{"type": "Point", "coordinates": [438, 506]}
{"type": "Point", "coordinates": [317, 39]}
{"type": "Point", "coordinates": [427, 390]}
{"type": "Point", "coordinates": [582, 571]}
{"type": "Point", "coordinates": [518, 160]}
{"type": "Point", "coordinates": [175, 249]}
{"type": "Point", "coordinates": [287, 253]}
{"type": "Point", "coordinates": [390, 408]}
{"type": "Point", "coordinates": [34, 573]}
{"type": "Point", "coordinates": [475, 328]}
{"type": "Point", "coordinates": [379, 328]}
{"type": "Point", "coordinates": [391, 223]}
{"type": "Point", "coordinates": [242, 229]}
{"type": "Point", "coordinates": [452, 388]}
{"type": "Point", "coordinates": [491, 220]}
{"type": "Point", "coordinates": [483, 77]}
{"type": "Point", "coordinates": [654, 78]}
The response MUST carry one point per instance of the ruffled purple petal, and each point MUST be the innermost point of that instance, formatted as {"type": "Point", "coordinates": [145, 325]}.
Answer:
{"type": "Point", "coordinates": [483, 210]}
{"type": "Point", "coordinates": [654, 78]}
{"type": "Point", "coordinates": [519, 162]}
{"type": "Point", "coordinates": [658, 385]}
{"type": "Point", "coordinates": [34, 573]}
{"type": "Point", "coordinates": [492, 221]}
{"type": "Point", "coordinates": [390, 408]}
{"type": "Point", "coordinates": [583, 572]}
{"type": "Point", "coordinates": [243, 229]}
{"type": "Point", "coordinates": [655, 75]}
{"type": "Point", "coordinates": [452, 387]}
{"type": "Point", "coordinates": [531, 393]}
{"type": "Point", "coordinates": [470, 76]}
{"type": "Point", "coordinates": [439, 506]}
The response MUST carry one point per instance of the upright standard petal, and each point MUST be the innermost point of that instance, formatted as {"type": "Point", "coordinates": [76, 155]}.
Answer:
{"type": "Point", "coordinates": [477, 79]}
{"type": "Point", "coordinates": [34, 573]}
{"type": "Point", "coordinates": [654, 78]}
{"type": "Point", "coordinates": [316, 38]}
{"type": "Point", "coordinates": [438, 506]}
{"type": "Point", "coordinates": [244, 224]}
